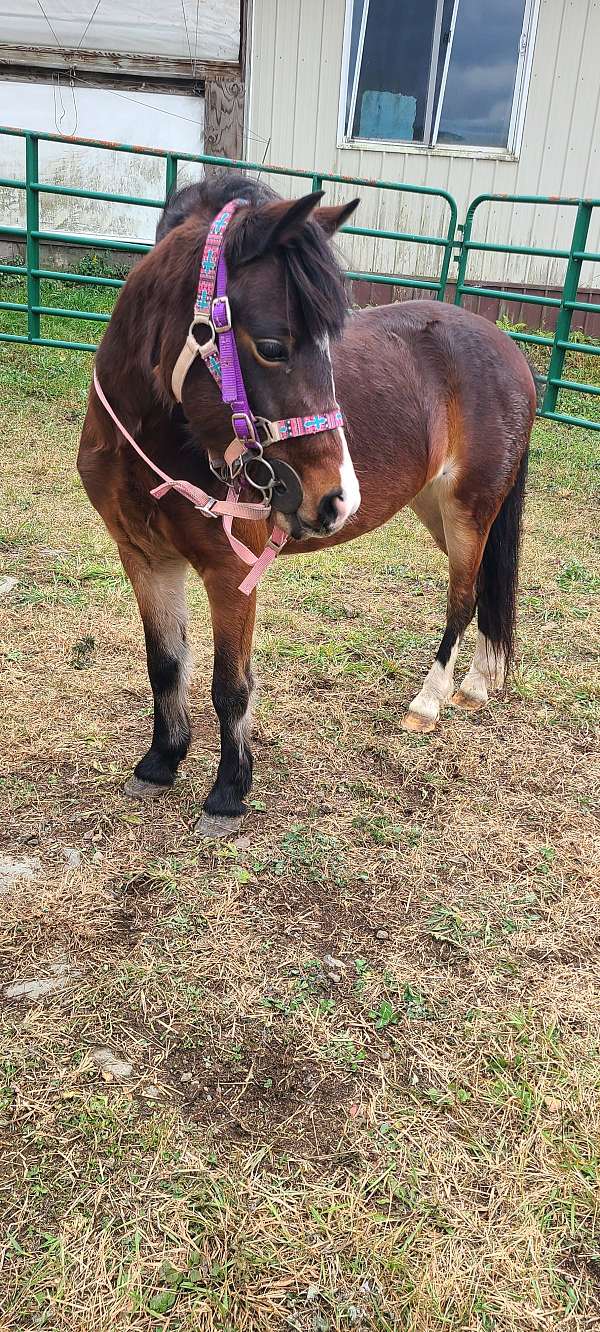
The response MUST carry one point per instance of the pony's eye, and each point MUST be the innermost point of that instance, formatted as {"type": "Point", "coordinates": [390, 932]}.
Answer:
{"type": "Point", "coordinates": [272, 350]}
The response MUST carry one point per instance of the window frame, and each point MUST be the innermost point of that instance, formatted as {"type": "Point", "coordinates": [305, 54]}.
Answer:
{"type": "Point", "coordinates": [519, 101]}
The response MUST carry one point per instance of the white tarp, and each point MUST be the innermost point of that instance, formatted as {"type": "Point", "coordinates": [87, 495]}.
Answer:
{"type": "Point", "coordinates": [173, 29]}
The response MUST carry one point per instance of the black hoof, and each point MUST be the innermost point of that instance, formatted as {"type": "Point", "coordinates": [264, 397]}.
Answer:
{"type": "Point", "coordinates": [218, 825]}
{"type": "Point", "coordinates": [137, 789]}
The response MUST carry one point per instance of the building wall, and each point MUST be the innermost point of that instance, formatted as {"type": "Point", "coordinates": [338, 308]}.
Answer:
{"type": "Point", "coordinates": [153, 120]}
{"type": "Point", "coordinates": [142, 41]}
{"type": "Point", "coordinates": [292, 118]}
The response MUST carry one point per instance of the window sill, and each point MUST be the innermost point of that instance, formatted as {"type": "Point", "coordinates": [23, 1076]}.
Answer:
{"type": "Point", "coordinates": [419, 149]}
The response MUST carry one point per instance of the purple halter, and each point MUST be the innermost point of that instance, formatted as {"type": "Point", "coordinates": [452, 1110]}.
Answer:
{"type": "Point", "coordinates": [211, 310]}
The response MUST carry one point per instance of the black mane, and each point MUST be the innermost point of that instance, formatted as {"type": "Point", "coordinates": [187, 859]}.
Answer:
{"type": "Point", "coordinates": [312, 267]}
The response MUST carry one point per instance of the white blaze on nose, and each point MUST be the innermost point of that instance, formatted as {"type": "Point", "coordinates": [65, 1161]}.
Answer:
{"type": "Point", "coordinates": [350, 497]}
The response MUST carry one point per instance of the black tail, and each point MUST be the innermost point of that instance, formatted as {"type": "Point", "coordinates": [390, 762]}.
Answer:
{"type": "Point", "coordinates": [499, 572]}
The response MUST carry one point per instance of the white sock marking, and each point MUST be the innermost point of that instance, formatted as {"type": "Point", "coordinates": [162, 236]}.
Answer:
{"type": "Point", "coordinates": [487, 671]}
{"type": "Point", "coordinates": [437, 688]}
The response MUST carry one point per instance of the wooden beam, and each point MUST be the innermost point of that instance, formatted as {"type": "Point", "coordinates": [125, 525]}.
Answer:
{"type": "Point", "coordinates": [52, 57]}
{"type": "Point", "coordinates": [90, 78]}
{"type": "Point", "coordinates": [223, 117]}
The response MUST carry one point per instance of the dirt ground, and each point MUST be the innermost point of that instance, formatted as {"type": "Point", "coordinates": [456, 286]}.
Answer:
{"type": "Point", "coordinates": [343, 1071]}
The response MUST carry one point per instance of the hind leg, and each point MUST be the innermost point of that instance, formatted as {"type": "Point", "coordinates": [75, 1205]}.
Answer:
{"type": "Point", "coordinates": [485, 675]}
{"type": "Point", "coordinates": [454, 530]}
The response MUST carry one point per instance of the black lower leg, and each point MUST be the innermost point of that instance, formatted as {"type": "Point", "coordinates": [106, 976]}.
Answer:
{"type": "Point", "coordinates": [166, 656]}
{"type": "Point", "coordinates": [460, 614]}
{"type": "Point", "coordinates": [231, 695]}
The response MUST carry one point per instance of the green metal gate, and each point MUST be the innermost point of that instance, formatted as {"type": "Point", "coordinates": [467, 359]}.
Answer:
{"type": "Point", "coordinates": [566, 304]}
{"type": "Point", "coordinates": [446, 243]}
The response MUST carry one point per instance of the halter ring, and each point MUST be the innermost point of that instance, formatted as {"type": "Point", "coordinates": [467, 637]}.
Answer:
{"type": "Point", "coordinates": [271, 433]}
{"type": "Point", "coordinates": [210, 346]}
{"type": "Point", "coordinates": [259, 458]}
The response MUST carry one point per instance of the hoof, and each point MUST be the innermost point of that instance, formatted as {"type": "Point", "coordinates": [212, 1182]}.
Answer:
{"type": "Point", "coordinates": [216, 825]}
{"type": "Point", "coordinates": [136, 789]}
{"type": "Point", "coordinates": [414, 721]}
{"type": "Point", "coordinates": [467, 702]}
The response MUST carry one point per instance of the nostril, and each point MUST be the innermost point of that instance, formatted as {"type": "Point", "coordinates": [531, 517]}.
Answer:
{"type": "Point", "coordinates": [328, 508]}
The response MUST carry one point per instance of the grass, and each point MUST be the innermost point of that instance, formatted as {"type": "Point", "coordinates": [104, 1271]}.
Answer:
{"type": "Point", "coordinates": [364, 1034]}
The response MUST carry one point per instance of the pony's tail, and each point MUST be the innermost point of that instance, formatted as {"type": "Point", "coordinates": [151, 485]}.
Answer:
{"type": "Point", "coordinates": [499, 571]}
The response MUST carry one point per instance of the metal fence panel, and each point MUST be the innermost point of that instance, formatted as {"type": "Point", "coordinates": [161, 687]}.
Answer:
{"type": "Point", "coordinates": [449, 247]}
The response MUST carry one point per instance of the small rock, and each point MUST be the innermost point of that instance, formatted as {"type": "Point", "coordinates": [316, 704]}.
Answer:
{"type": "Point", "coordinates": [7, 584]}
{"type": "Point", "coordinates": [13, 870]}
{"type": "Point", "coordinates": [72, 856]}
{"type": "Point", "coordinates": [242, 843]}
{"type": "Point", "coordinates": [382, 934]}
{"type": "Point", "coordinates": [312, 1293]}
{"type": "Point", "coordinates": [34, 989]}
{"type": "Point", "coordinates": [186, 1077]}
{"type": "Point", "coordinates": [151, 1092]}
{"type": "Point", "coordinates": [333, 968]}
{"type": "Point", "coordinates": [107, 1062]}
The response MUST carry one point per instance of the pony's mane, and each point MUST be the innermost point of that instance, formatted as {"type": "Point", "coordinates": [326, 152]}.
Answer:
{"type": "Point", "coordinates": [313, 269]}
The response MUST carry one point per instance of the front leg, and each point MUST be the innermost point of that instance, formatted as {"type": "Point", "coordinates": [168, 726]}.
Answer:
{"type": "Point", "coordinates": [232, 616]}
{"type": "Point", "coordinates": [159, 586]}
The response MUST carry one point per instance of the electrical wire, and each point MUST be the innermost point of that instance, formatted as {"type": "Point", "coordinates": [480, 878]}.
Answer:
{"type": "Point", "coordinates": [88, 24]}
{"type": "Point", "coordinates": [41, 7]}
{"type": "Point", "coordinates": [196, 38]}
{"type": "Point", "coordinates": [187, 35]}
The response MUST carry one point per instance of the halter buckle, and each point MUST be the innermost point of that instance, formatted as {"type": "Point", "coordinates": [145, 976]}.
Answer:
{"type": "Point", "coordinates": [204, 348]}
{"type": "Point", "coordinates": [207, 508]}
{"type": "Point", "coordinates": [244, 428]}
{"type": "Point", "coordinates": [221, 314]}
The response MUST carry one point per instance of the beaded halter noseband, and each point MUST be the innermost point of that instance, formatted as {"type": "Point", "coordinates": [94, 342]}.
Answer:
{"type": "Point", "coordinates": [252, 434]}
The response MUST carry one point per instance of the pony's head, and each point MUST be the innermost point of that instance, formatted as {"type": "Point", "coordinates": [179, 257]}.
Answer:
{"type": "Point", "coordinates": [288, 302]}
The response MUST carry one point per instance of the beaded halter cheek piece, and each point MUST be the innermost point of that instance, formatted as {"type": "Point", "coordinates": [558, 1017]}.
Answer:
{"type": "Point", "coordinates": [252, 434]}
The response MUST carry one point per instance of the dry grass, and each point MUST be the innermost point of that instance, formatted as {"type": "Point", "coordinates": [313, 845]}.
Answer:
{"type": "Point", "coordinates": [406, 1137]}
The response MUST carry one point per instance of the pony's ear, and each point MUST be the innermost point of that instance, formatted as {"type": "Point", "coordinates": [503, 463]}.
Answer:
{"type": "Point", "coordinates": [332, 218]}
{"type": "Point", "coordinates": [273, 224]}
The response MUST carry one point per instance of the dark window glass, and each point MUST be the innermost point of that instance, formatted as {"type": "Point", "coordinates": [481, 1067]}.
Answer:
{"type": "Point", "coordinates": [401, 70]}
{"type": "Point", "coordinates": [481, 74]}
{"type": "Point", "coordinates": [394, 75]}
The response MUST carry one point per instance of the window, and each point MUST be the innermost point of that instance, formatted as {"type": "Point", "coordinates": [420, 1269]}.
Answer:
{"type": "Point", "coordinates": [437, 71]}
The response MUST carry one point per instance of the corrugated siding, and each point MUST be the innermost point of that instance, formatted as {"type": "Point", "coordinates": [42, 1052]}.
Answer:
{"type": "Point", "coordinates": [296, 60]}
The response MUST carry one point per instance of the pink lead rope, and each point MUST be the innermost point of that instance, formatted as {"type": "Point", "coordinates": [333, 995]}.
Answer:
{"type": "Point", "coordinates": [227, 509]}
{"type": "Point", "coordinates": [212, 311]}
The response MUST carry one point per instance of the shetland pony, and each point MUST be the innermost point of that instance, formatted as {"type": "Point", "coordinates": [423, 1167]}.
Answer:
{"type": "Point", "coordinates": [438, 407]}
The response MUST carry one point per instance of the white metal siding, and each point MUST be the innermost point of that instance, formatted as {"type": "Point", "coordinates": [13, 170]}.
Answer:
{"type": "Point", "coordinates": [296, 57]}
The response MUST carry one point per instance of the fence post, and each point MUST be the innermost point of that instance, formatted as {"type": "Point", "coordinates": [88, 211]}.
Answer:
{"type": "Point", "coordinates": [171, 176]}
{"type": "Point", "coordinates": [565, 311]}
{"type": "Point", "coordinates": [317, 183]}
{"type": "Point", "coordinates": [463, 253]}
{"type": "Point", "coordinates": [32, 204]}
{"type": "Point", "coordinates": [448, 248]}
